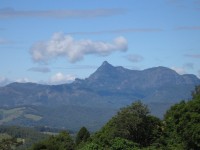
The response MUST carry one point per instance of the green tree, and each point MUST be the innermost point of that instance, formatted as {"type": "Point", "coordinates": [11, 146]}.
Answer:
{"type": "Point", "coordinates": [63, 141]}
{"type": "Point", "coordinates": [135, 124]}
{"type": "Point", "coordinates": [182, 123]}
{"type": "Point", "coordinates": [82, 135]}
{"type": "Point", "coordinates": [132, 123]}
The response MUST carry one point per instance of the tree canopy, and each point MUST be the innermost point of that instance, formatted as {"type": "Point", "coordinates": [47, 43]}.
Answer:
{"type": "Point", "coordinates": [182, 122]}
{"type": "Point", "coordinates": [62, 141]}
{"type": "Point", "coordinates": [82, 135]}
{"type": "Point", "coordinates": [132, 125]}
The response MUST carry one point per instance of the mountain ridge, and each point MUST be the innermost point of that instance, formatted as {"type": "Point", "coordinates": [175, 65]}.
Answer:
{"type": "Point", "coordinates": [108, 67]}
{"type": "Point", "coordinates": [107, 89]}
{"type": "Point", "coordinates": [106, 80]}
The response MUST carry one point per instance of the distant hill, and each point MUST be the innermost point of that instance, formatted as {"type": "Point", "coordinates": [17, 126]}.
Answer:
{"type": "Point", "coordinates": [92, 101]}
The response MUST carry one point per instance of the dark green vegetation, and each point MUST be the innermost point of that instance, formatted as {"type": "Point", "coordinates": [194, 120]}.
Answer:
{"type": "Point", "coordinates": [63, 141]}
{"type": "Point", "coordinates": [93, 101]}
{"type": "Point", "coordinates": [82, 135]}
{"type": "Point", "coordinates": [182, 123]}
{"type": "Point", "coordinates": [133, 128]}
{"type": "Point", "coordinates": [19, 138]}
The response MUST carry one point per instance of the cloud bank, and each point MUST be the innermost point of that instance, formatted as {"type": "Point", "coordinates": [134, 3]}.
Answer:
{"type": "Point", "coordinates": [117, 31]}
{"type": "Point", "coordinates": [195, 28]}
{"type": "Point", "coordinates": [40, 69]}
{"type": "Point", "coordinates": [74, 67]}
{"type": "Point", "coordinates": [195, 56]}
{"type": "Point", "coordinates": [61, 45]}
{"type": "Point", "coordinates": [12, 13]}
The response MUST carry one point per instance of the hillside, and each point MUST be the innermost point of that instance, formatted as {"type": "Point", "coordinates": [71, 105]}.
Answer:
{"type": "Point", "coordinates": [133, 128]}
{"type": "Point", "coordinates": [95, 99]}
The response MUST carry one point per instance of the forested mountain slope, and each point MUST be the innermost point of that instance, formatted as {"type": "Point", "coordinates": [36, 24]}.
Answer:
{"type": "Point", "coordinates": [133, 128]}
{"type": "Point", "coordinates": [98, 97]}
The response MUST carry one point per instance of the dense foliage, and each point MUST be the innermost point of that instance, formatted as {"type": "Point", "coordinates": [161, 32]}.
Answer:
{"type": "Point", "coordinates": [182, 124]}
{"type": "Point", "coordinates": [19, 137]}
{"type": "Point", "coordinates": [62, 141]}
{"type": "Point", "coordinates": [82, 135]}
{"type": "Point", "coordinates": [133, 128]}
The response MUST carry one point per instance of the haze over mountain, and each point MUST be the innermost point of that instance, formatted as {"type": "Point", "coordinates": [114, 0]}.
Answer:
{"type": "Point", "coordinates": [92, 101]}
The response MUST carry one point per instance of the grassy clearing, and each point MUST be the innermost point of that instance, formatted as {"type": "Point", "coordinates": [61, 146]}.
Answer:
{"type": "Point", "coordinates": [33, 117]}
{"type": "Point", "coordinates": [10, 114]}
{"type": "Point", "coordinates": [7, 115]}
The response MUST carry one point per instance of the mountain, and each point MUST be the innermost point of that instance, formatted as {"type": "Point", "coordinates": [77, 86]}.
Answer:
{"type": "Point", "coordinates": [95, 99]}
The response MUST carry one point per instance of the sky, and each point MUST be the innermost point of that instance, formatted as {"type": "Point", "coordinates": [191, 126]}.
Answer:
{"type": "Point", "coordinates": [54, 42]}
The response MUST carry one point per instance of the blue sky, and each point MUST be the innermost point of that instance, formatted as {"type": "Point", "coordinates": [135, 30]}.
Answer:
{"type": "Point", "coordinates": [53, 42]}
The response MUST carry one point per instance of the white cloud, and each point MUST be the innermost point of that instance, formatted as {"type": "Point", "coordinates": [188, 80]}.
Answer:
{"type": "Point", "coordinates": [61, 45]}
{"type": "Point", "coordinates": [60, 78]}
{"type": "Point", "coordinates": [4, 81]}
{"type": "Point", "coordinates": [179, 70]}
{"type": "Point", "coordinates": [23, 80]}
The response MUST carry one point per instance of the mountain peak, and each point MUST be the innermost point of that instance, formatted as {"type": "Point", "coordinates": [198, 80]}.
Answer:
{"type": "Point", "coordinates": [105, 69]}
{"type": "Point", "coordinates": [105, 66]}
{"type": "Point", "coordinates": [105, 63]}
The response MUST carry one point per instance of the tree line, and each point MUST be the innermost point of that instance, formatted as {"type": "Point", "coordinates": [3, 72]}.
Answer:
{"type": "Point", "coordinates": [134, 128]}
